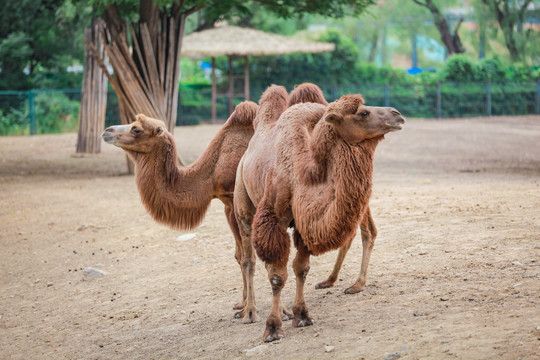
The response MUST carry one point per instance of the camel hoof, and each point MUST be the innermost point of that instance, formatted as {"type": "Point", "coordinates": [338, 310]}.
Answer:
{"type": "Point", "coordinates": [277, 335]}
{"type": "Point", "coordinates": [239, 306]}
{"type": "Point", "coordinates": [304, 322]}
{"type": "Point", "coordinates": [324, 284]}
{"type": "Point", "coordinates": [286, 315]}
{"type": "Point", "coordinates": [247, 317]}
{"type": "Point", "coordinates": [249, 320]}
{"type": "Point", "coordinates": [353, 290]}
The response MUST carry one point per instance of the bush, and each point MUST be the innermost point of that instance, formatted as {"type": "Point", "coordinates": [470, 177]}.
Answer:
{"type": "Point", "coordinates": [56, 113]}
{"type": "Point", "coordinates": [14, 122]}
{"type": "Point", "coordinates": [491, 69]}
{"type": "Point", "coordinates": [459, 68]}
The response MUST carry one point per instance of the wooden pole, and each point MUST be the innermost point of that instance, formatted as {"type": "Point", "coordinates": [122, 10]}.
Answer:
{"type": "Point", "coordinates": [231, 86]}
{"type": "Point", "coordinates": [246, 78]}
{"type": "Point", "coordinates": [94, 94]}
{"type": "Point", "coordinates": [214, 95]}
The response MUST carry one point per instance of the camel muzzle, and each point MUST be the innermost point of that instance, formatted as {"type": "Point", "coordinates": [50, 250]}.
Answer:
{"type": "Point", "coordinates": [112, 132]}
{"type": "Point", "coordinates": [108, 136]}
{"type": "Point", "coordinates": [395, 124]}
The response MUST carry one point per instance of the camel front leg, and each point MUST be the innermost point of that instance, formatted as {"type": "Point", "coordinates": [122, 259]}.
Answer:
{"type": "Point", "coordinates": [337, 266]}
{"type": "Point", "coordinates": [301, 269]}
{"type": "Point", "coordinates": [238, 253]}
{"type": "Point", "coordinates": [277, 274]}
{"type": "Point", "coordinates": [369, 233]}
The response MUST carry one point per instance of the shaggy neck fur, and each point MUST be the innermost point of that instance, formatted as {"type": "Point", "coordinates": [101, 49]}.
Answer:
{"type": "Point", "coordinates": [178, 197]}
{"type": "Point", "coordinates": [339, 194]}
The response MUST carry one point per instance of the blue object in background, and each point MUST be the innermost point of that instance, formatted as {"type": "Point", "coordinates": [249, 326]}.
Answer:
{"type": "Point", "coordinates": [414, 71]}
{"type": "Point", "coordinates": [205, 65]}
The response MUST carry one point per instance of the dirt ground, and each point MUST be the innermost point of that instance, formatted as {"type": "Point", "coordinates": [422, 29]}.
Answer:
{"type": "Point", "coordinates": [455, 272]}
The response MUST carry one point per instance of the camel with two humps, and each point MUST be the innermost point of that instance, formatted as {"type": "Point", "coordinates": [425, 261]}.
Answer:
{"type": "Point", "coordinates": [317, 181]}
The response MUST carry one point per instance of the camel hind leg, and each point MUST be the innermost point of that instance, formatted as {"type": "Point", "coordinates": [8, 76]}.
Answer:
{"type": "Point", "coordinates": [244, 210]}
{"type": "Point", "coordinates": [238, 253]}
{"type": "Point", "coordinates": [369, 233]}
{"type": "Point", "coordinates": [329, 282]}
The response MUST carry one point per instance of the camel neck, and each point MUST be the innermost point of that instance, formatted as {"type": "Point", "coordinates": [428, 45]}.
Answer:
{"type": "Point", "coordinates": [336, 205]}
{"type": "Point", "coordinates": [173, 195]}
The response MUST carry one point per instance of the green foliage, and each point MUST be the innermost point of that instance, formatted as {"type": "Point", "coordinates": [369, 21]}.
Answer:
{"type": "Point", "coordinates": [491, 69]}
{"type": "Point", "coordinates": [39, 36]}
{"type": "Point", "coordinates": [14, 53]}
{"type": "Point", "coordinates": [14, 122]}
{"type": "Point", "coordinates": [56, 113]}
{"type": "Point", "coordinates": [459, 67]}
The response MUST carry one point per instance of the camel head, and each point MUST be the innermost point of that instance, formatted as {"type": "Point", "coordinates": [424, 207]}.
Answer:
{"type": "Point", "coordinates": [356, 122]}
{"type": "Point", "coordinates": [139, 136]}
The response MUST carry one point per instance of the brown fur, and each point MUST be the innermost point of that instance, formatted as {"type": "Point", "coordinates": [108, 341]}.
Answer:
{"type": "Point", "coordinates": [273, 102]}
{"type": "Point", "coordinates": [306, 92]}
{"type": "Point", "coordinates": [318, 177]}
{"type": "Point", "coordinates": [179, 196]}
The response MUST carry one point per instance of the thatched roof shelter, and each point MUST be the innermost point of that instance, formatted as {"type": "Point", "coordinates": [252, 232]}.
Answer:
{"type": "Point", "coordinates": [236, 41]}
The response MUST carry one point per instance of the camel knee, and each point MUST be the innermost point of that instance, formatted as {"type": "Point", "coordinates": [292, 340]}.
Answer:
{"type": "Point", "coordinates": [277, 282]}
{"type": "Point", "coordinates": [248, 264]}
{"type": "Point", "coordinates": [301, 272]}
{"type": "Point", "coordinates": [238, 258]}
{"type": "Point", "coordinates": [244, 223]}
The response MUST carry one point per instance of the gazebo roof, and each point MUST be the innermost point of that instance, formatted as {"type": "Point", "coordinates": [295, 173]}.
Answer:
{"type": "Point", "coordinates": [234, 40]}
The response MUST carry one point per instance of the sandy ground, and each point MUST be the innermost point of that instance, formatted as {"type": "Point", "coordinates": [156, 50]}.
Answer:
{"type": "Point", "coordinates": [455, 272]}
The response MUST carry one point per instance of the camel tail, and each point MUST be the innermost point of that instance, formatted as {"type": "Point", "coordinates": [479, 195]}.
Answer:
{"type": "Point", "coordinates": [273, 103]}
{"type": "Point", "coordinates": [306, 92]}
{"type": "Point", "coordinates": [270, 240]}
{"type": "Point", "coordinates": [244, 113]}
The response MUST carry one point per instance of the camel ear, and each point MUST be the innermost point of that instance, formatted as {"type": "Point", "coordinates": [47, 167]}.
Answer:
{"type": "Point", "coordinates": [334, 118]}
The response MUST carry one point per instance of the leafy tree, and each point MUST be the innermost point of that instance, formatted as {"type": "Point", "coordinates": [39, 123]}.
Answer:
{"type": "Point", "coordinates": [511, 15]}
{"type": "Point", "coordinates": [452, 42]}
{"type": "Point", "coordinates": [39, 36]}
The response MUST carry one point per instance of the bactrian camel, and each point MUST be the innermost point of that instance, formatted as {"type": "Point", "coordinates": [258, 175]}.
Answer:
{"type": "Point", "coordinates": [180, 196]}
{"type": "Point", "coordinates": [319, 183]}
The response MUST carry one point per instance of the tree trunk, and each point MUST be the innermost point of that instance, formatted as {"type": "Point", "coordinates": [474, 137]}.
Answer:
{"type": "Point", "coordinates": [452, 42]}
{"type": "Point", "coordinates": [146, 71]}
{"type": "Point", "coordinates": [507, 18]}
{"type": "Point", "coordinates": [373, 49]}
{"type": "Point", "coordinates": [94, 94]}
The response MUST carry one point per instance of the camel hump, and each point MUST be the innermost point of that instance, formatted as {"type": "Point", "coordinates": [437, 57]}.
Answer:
{"type": "Point", "coordinates": [345, 105]}
{"type": "Point", "coordinates": [273, 103]}
{"type": "Point", "coordinates": [306, 92]}
{"type": "Point", "coordinates": [244, 113]}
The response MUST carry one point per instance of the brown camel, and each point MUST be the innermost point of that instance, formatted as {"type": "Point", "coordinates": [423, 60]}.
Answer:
{"type": "Point", "coordinates": [307, 93]}
{"type": "Point", "coordinates": [318, 183]}
{"type": "Point", "coordinates": [180, 196]}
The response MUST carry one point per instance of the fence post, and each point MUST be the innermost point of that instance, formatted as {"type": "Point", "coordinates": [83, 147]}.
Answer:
{"type": "Point", "coordinates": [386, 95]}
{"type": "Point", "coordinates": [538, 97]}
{"type": "Point", "coordinates": [32, 112]}
{"type": "Point", "coordinates": [438, 100]}
{"type": "Point", "coordinates": [488, 88]}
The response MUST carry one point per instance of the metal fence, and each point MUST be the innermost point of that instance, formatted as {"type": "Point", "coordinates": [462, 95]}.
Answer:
{"type": "Point", "coordinates": [53, 111]}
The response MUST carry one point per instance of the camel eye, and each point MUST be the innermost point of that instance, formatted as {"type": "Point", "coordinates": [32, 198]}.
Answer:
{"type": "Point", "coordinates": [136, 131]}
{"type": "Point", "coordinates": [364, 113]}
